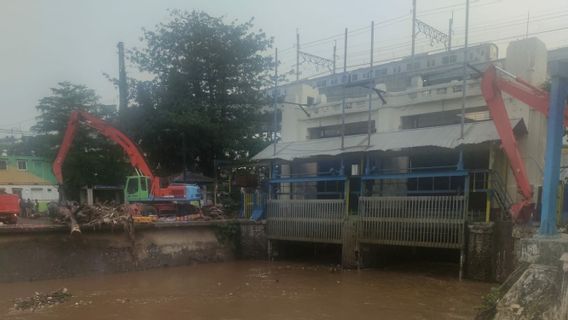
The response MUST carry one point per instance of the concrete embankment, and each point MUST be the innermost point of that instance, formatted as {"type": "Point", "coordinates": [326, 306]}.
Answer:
{"type": "Point", "coordinates": [48, 252]}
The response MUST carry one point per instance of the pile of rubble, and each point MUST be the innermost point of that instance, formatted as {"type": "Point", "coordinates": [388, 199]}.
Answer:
{"type": "Point", "coordinates": [100, 214]}
{"type": "Point", "coordinates": [41, 300]}
{"type": "Point", "coordinates": [96, 215]}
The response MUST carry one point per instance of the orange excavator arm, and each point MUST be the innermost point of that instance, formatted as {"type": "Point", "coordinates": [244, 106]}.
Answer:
{"type": "Point", "coordinates": [104, 128]}
{"type": "Point", "coordinates": [492, 84]}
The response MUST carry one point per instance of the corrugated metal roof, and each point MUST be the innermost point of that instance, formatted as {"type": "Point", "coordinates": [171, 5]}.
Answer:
{"type": "Point", "coordinates": [442, 136]}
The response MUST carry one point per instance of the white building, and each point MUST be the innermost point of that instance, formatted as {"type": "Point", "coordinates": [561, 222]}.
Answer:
{"type": "Point", "coordinates": [417, 125]}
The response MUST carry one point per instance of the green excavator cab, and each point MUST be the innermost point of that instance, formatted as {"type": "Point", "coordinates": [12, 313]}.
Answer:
{"type": "Point", "coordinates": [136, 189]}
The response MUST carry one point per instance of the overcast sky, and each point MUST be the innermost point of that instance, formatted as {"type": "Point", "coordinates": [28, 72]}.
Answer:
{"type": "Point", "coordinates": [44, 42]}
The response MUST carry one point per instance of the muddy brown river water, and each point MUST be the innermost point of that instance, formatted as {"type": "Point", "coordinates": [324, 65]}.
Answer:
{"type": "Point", "coordinates": [253, 290]}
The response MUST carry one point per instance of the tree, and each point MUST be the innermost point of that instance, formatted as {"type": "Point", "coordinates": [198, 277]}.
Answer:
{"type": "Point", "coordinates": [207, 89]}
{"type": "Point", "coordinates": [92, 159]}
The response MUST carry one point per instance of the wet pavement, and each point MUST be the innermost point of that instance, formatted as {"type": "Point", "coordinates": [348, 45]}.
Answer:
{"type": "Point", "coordinates": [254, 290]}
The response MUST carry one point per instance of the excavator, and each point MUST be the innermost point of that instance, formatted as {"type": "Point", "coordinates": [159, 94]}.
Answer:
{"type": "Point", "coordinates": [150, 194]}
{"type": "Point", "coordinates": [495, 81]}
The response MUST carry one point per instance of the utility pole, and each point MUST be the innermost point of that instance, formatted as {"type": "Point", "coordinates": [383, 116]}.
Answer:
{"type": "Point", "coordinates": [334, 55]}
{"type": "Point", "coordinates": [371, 83]}
{"type": "Point", "coordinates": [450, 28]}
{"type": "Point", "coordinates": [528, 21]}
{"type": "Point", "coordinates": [297, 55]}
{"type": "Point", "coordinates": [122, 86]}
{"type": "Point", "coordinates": [184, 159]}
{"type": "Point", "coordinates": [343, 99]}
{"type": "Point", "coordinates": [465, 56]}
{"type": "Point", "coordinates": [413, 50]}
{"type": "Point", "coordinates": [274, 97]}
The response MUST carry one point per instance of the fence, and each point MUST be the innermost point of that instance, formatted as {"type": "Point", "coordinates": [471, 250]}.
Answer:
{"type": "Point", "coordinates": [422, 221]}
{"type": "Point", "coordinates": [306, 220]}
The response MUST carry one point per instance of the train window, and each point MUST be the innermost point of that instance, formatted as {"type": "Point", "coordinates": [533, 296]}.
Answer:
{"type": "Point", "coordinates": [445, 60]}
{"type": "Point", "coordinates": [344, 79]}
{"type": "Point", "coordinates": [354, 77]}
{"type": "Point", "coordinates": [333, 81]}
{"type": "Point", "coordinates": [408, 66]}
{"type": "Point", "coordinates": [365, 75]}
{"type": "Point", "coordinates": [453, 58]}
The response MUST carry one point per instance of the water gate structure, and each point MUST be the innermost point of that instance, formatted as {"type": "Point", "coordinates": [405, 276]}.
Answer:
{"type": "Point", "coordinates": [422, 207]}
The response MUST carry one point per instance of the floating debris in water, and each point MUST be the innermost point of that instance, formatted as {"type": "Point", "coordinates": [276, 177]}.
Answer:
{"type": "Point", "coordinates": [41, 300]}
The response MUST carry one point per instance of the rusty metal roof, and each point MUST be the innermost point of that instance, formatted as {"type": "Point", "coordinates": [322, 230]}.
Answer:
{"type": "Point", "coordinates": [442, 136]}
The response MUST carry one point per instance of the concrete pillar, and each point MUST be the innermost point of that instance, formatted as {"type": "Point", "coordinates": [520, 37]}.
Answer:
{"type": "Point", "coordinates": [349, 248]}
{"type": "Point", "coordinates": [90, 200]}
{"type": "Point", "coordinates": [480, 252]}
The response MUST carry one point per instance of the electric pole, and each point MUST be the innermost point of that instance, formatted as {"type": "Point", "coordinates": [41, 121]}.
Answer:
{"type": "Point", "coordinates": [450, 32]}
{"type": "Point", "coordinates": [122, 85]}
{"type": "Point", "coordinates": [297, 55]}
{"type": "Point", "coordinates": [413, 32]}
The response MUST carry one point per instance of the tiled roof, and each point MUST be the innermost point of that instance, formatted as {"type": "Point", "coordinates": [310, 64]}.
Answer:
{"type": "Point", "coordinates": [14, 176]}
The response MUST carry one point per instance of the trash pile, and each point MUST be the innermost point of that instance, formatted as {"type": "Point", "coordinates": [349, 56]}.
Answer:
{"type": "Point", "coordinates": [97, 214]}
{"type": "Point", "coordinates": [213, 212]}
{"type": "Point", "coordinates": [101, 214]}
{"type": "Point", "coordinates": [41, 300]}
{"type": "Point", "coordinates": [108, 214]}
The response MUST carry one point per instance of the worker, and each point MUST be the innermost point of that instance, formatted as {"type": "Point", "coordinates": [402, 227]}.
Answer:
{"type": "Point", "coordinates": [29, 207]}
{"type": "Point", "coordinates": [22, 207]}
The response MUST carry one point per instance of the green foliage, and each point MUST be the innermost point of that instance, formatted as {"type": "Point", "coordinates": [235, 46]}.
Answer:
{"type": "Point", "coordinates": [489, 301]}
{"type": "Point", "coordinates": [229, 234]}
{"type": "Point", "coordinates": [207, 87]}
{"type": "Point", "coordinates": [92, 159]}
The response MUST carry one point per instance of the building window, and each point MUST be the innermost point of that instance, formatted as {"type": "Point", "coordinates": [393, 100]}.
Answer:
{"type": "Point", "coordinates": [380, 72]}
{"type": "Point", "coordinates": [22, 165]}
{"type": "Point", "coordinates": [353, 128]}
{"type": "Point", "coordinates": [3, 164]}
{"type": "Point", "coordinates": [355, 170]}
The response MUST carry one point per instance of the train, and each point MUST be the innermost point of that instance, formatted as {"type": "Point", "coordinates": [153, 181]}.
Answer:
{"type": "Point", "coordinates": [422, 62]}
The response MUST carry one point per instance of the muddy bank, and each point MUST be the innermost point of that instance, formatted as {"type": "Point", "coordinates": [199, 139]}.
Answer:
{"type": "Point", "coordinates": [50, 252]}
{"type": "Point", "coordinates": [254, 290]}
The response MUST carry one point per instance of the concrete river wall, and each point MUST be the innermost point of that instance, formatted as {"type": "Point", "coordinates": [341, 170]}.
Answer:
{"type": "Point", "coordinates": [49, 252]}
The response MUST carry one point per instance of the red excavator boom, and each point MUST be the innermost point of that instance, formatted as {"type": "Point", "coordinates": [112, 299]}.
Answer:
{"type": "Point", "coordinates": [492, 84]}
{"type": "Point", "coordinates": [135, 156]}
